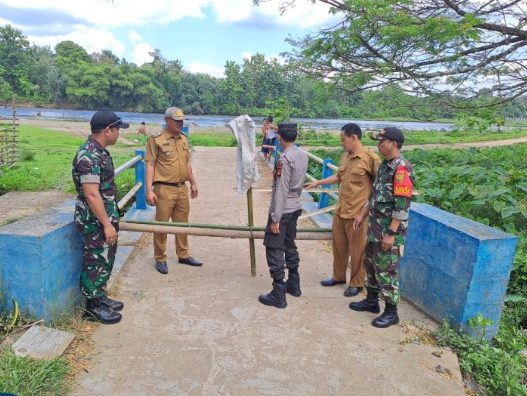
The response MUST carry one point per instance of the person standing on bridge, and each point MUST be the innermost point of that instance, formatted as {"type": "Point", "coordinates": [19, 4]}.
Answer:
{"type": "Point", "coordinates": [388, 209]}
{"type": "Point", "coordinates": [285, 208]}
{"type": "Point", "coordinates": [358, 167]}
{"type": "Point", "coordinates": [168, 168]}
{"type": "Point", "coordinates": [97, 216]}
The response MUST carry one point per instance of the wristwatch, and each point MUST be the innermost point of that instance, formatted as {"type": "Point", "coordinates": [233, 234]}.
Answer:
{"type": "Point", "coordinates": [391, 232]}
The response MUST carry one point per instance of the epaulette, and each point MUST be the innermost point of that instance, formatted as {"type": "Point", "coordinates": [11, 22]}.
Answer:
{"type": "Point", "coordinates": [156, 134]}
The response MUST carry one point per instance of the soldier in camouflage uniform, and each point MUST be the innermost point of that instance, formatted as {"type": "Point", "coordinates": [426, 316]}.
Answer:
{"type": "Point", "coordinates": [97, 216]}
{"type": "Point", "coordinates": [388, 209]}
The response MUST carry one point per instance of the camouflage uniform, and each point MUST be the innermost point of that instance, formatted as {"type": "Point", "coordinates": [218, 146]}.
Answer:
{"type": "Point", "coordinates": [390, 198]}
{"type": "Point", "coordinates": [93, 164]}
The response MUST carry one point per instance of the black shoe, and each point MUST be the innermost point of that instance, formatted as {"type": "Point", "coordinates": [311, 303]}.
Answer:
{"type": "Point", "coordinates": [276, 298]}
{"type": "Point", "coordinates": [292, 286]}
{"type": "Point", "coordinates": [331, 282]}
{"type": "Point", "coordinates": [352, 291]}
{"type": "Point", "coordinates": [388, 318]}
{"type": "Point", "coordinates": [370, 303]}
{"type": "Point", "coordinates": [190, 261]}
{"type": "Point", "coordinates": [96, 311]}
{"type": "Point", "coordinates": [113, 304]}
{"type": "Point", "coordinates": [161, 267]}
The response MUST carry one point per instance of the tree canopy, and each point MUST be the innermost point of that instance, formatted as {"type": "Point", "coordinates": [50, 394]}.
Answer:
{"type": "Point", "coordinates": [462, 48]}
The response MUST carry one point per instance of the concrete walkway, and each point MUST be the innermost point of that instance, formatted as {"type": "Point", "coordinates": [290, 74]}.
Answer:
{"type": "Point", "coordinates": [201, 331]}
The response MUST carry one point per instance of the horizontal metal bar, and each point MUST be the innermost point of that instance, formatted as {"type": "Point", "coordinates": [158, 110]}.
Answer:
{"type": "Point", "coordinates": [317, 212]}
{"type": "Point", "coordinates": [128, 164]}
{"type": "Point", "coordinates": [320, 160]}
{"type": "Point", "coordinates": [219, 233]}
{"type": "Point", "coordinates": [307, 190]}
{"type": "Point", "coordinates": [124, 200]}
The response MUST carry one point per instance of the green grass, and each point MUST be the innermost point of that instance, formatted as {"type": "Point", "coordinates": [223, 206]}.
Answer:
{"type": "Point", "coordinates": [46, 162]}
{"type": "Point", "coordinates": [25, 377]}
{"type": "Point", "coordinates": [312, 138]}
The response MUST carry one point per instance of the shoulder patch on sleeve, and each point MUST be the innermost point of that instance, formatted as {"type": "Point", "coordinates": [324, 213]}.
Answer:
{"type": "Point", "coordinates": [402, 184]}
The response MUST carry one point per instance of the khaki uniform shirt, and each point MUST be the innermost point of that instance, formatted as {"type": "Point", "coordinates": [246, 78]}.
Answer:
{"type": "Point", "coordinates": [356, 174]}
{"type": "Point", "coordinates": [170, 156]}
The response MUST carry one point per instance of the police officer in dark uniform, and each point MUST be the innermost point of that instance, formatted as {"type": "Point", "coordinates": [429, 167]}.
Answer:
{"type": "Point", "coordinates": [284, 210]}
{"type": "Point", "coordinates": [97, 216]}
{"type": "Point", "coordinates": [388, 209]}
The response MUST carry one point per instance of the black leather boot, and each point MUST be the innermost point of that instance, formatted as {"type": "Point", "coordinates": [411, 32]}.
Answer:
{"type": "Point", "coordinates": [113, 304]}
{"type": "Point", "coordinates": [389, 317]}
{"type": "Point", "coordinates": [276, 297]}
{"type": "Point", "coordinates": [292, 286]}
{"type": "Point", "coordinates": [370, 303]}
{"type": "Point", "coordinates": [99, 312]}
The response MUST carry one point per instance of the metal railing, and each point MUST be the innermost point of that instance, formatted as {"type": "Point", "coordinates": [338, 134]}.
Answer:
{"type": "Point", "coordinates": [328, 168]}
{"type": "Point", "coordinates": [138, 190]}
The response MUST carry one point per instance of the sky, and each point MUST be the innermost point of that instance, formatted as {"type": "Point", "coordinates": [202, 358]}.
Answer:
{"type": "Point", "coordinates": [202, 34]}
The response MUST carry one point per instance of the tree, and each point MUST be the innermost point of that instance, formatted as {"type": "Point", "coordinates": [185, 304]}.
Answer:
{"type": "Point", "coordinates": [466, 48]}
{"type": "Point", "coordinates": [14, 59]}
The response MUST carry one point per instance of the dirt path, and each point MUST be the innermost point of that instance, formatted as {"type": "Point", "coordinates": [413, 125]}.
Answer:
{"type": "Point", "coordinates": [201, 331]}
{"type": "Point", "coordinates": [492, 143]}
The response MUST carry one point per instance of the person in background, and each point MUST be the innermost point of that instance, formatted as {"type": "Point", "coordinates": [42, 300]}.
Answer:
{"type": "Point", "coordinates": [141, 133]}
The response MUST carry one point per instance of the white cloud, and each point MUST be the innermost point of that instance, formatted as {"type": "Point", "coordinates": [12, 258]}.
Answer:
{"type": "Point", "coordinates": [114, 13]}
{"type": "Point", "coordinates": [117, 12]}
{"type": "Point", "coordinates": [199, 67]}
{"type": "Point", "coordinates": [304, 13]}
{"type": "Point", "coordinates": [91, 39]}
{"type": "Point", "coordinates": [247, 55]}
{"type": "Point", "coordinates": [134, 37]}
{"type": "Point", "coordinates": [141, 55]}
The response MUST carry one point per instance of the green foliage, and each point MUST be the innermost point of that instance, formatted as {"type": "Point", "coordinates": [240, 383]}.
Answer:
{"type": "Point", "coordinates": [14, 59]}
{"type": "Point", "coordinates": [27, 377]}
{"type": "Point", "coordinates": [497, 365]}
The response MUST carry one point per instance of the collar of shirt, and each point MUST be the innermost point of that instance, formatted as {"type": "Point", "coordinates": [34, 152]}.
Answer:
{"type": "Point", "coordinates": [359, 153]}
{"type": "Point", "coordinates": [391, 163]}
{"type": "Point", "coordinates": [169, 135]}
{"type": "Point", "coordinates": [96, 144]}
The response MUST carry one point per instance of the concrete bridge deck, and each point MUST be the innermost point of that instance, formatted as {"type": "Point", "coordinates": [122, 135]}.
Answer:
{"type": "Point", "coordinates": [201, 331]}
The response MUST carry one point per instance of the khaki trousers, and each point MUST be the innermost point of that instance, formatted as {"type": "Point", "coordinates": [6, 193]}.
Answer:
{"type": "Point", "coordinates": [172, 203]}
{"type": "Point", "coordinates": [348, 246]}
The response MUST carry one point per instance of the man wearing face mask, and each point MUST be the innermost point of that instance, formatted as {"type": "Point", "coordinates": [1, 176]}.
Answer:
{"type": "Point", "coordinates": [168, 168]}
{"type": "Point", "coordinates": [358, 167]}
{"type": "Point", "coordinates": [97, 216]}
{"type": "Point", "coordinates": [388, 209]}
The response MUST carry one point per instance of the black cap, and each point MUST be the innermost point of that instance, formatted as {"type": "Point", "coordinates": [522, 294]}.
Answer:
{"type": "Point", "coordinates": [104, 118]}
{"type": "Point", "coordinates": [288, 131]}
{"type": "Point", "coordinates": [390, 133]}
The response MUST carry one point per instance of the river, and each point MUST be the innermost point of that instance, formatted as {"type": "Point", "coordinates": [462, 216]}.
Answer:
{"type": "Point", "coordinates": [219, 120]}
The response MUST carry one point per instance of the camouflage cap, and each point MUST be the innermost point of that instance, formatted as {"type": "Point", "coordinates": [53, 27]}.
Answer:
{"type": "Point", "coordinates": [390, 133]}
{"type": "Point", "coordinates": [175, 113]}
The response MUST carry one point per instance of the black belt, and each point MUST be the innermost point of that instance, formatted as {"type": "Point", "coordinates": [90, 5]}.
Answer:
{"type": "Point", "coordinates": [178, 184]}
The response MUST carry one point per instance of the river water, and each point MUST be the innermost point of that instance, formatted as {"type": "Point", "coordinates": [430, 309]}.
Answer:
{"type": "Point", "coordinates": [219, 120]}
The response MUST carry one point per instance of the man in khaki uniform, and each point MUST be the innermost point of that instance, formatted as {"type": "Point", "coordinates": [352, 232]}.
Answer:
{"type": "Point", "coordinates": [167, 170]}
{"type": "Point", "coordinates": [357, 171]}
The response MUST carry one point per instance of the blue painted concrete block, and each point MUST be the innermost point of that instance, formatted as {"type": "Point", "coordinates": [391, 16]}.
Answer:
{"type": "Point", "coordinates": [40, 259]}
{"type": "Point", "coordinates": [455, 268]}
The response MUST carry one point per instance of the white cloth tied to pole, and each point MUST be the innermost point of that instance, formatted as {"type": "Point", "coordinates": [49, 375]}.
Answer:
{"type": "Point", "coordinates": [244, 131]}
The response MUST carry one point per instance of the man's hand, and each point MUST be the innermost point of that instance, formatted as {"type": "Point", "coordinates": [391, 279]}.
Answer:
{"type": "Point", "coordinates": [275, 228]}
{"type": "Point", "coordinates": [313, 184]}
{"type": "Point", "coordinates": [151, 198]}
{"type": "Point", "coordinates": [110, 234]}
{"type": "Point", "coordinates": [387, 242]}
{"type": "Point", "coordinates": [357, 222]}
{"type": "Point", "coordinates": [193, 191]}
